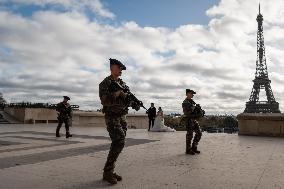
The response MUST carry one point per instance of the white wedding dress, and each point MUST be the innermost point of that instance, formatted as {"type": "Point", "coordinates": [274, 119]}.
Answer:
{"type": "Point", "coordinates": [159, 125]}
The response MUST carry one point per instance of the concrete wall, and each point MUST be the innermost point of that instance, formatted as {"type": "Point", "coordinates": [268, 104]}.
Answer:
{"type": "Point", "coordinates": [18, 113]}
{"type": "Point", "coordinates": [80, 118]}
{"type": "Point", "coordinates": [96, 119]}
{"type": "Point", "coordinates": [32, 115]}
{"type": "Point", "coordinates": [261, 124]}
{"type": "Point", "coordinates": [93, 119]}
{"type": "Point", "coordinates": [137, 121]}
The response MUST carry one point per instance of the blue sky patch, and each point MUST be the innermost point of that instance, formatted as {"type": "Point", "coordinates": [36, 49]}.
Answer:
{"type": "Point", "coordinates": [162, 13]}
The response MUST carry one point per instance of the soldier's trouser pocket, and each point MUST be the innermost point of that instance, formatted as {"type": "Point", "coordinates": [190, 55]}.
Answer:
{"type": "Point", "coordinates": [193, 126]}
{"type": "Point", "coordinates": [115, 127]}
{"type": "Point", "coordinates": [117, 135]}
{"type": "Point", "coordinates": [198, 133]}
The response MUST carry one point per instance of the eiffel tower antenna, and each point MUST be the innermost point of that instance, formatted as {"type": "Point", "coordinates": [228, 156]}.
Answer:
{"type": "Point", "coordinates": [261, 80]}
{"type": "Point", "coordinates": [259, 8]}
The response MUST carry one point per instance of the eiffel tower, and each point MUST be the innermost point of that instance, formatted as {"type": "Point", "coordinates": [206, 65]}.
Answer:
{"type": "Point", "coordinates": [261, 80]}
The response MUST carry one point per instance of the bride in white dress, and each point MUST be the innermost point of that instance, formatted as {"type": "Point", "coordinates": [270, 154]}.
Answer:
{"type": "Point", "coordinates": [159, 125]}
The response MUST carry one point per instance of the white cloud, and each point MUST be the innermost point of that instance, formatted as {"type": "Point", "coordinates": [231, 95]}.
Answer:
{"type": "Point", "coordinates": [52, 54]}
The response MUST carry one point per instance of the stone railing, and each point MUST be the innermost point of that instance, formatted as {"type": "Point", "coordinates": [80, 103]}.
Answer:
{"type": "Point", "coordinates": [264, 124]}
{"type": "Point", "coordinates": [80, 118]}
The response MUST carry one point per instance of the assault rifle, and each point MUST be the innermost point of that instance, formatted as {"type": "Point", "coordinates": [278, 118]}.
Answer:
{"type": "Point", "coordinates": [198, 112]}
{"type": "Point", "coordinates": [130, 97]}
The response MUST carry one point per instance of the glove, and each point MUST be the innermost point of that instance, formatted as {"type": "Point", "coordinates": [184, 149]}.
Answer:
{"type": "Point", "coordinates": [120, 93]}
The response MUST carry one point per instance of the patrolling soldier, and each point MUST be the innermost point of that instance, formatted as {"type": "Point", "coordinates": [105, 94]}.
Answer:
{"type": "Point", "coordinates": [64, 111]}
{"type": "Point", "coordinates": [192, 125]}
{"type": "Point", "coordinates": [115, 107]}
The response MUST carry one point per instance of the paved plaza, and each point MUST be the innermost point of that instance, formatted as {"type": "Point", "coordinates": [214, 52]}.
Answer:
{"type": "Point", "coordinates": [32, 157]}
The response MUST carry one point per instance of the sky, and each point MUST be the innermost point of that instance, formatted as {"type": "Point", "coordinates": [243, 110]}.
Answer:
{"type": "Point", "coordinates": [161, 13]}
{"type": "Point", "coordinates": [51, 48]}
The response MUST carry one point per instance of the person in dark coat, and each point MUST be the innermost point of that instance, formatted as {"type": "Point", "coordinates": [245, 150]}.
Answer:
{"type": "Point", "coordinates": [151, 115]}
{"type": "Point", "coordinates": [64, 111]}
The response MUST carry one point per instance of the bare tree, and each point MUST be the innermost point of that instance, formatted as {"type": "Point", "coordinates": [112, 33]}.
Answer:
{"type": "Point", "coordinates": [2, 100]}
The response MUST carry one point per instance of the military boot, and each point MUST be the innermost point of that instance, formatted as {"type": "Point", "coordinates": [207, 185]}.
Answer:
{"type": "Point", "coordinates": [57, 132]}
{"type": "Point", "coordinates": [190, 152]}
{"type": "Point", "coordinates": [68, 135]}
{"type": "Point", "coordinates": [109, 177]}
{"type": "Point", "coordinates": [118, 177]}
{"type": "Point", "coordinates": [194, 149]}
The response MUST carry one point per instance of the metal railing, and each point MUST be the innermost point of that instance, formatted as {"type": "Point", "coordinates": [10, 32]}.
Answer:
{"type": "Point", "coordinates": [35, 105]}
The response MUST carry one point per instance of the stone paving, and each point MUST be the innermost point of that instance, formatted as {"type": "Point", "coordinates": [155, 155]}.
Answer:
{"type": "Point", "coordinates": [32, 157]}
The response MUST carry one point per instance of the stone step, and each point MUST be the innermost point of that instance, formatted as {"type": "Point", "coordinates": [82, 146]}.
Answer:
{"type": "Point", "coordinates": [7, 118]}
{"type": "Point", "coordinates": [2, 120]}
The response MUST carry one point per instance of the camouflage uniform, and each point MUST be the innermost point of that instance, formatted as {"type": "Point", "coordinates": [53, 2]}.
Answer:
{"type": "Point", "coordinates": [115, 109]}
{"type": "Point", "coordinates": [191, 125]}
{"type": "Point", "coordinates": [64, 116]}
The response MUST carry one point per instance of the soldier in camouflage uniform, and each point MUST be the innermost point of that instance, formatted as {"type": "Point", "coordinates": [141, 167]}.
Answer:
{"type": "Point", "coordinates": [115, 109]}
{"type": "Point", "coordinates": [192, 125]}
{"type": "Point", "coordinates": [64, 116]}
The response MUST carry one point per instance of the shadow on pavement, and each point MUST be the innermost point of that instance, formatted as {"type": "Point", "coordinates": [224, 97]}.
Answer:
{"type": "Point", "coordinates": [99, 183]}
